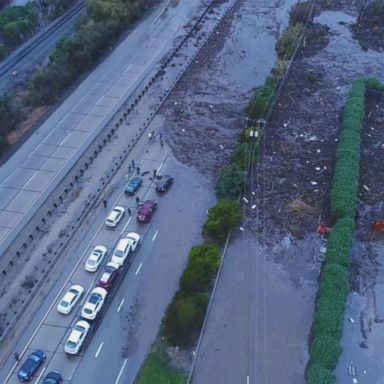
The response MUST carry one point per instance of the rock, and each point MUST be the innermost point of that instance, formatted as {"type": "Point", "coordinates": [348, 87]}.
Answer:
{"type": "Point", "coordinates": [313, 182]}
{"type": "Point", "coordinates": [351, 320]}
{"type": "Point", "coordinates": [317, 168]}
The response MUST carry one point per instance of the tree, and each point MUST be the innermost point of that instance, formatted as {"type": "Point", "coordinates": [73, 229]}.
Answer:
{"type": "Point", "coordinates": [230, 182]}
{"type": "Point", "coordinates": [204, 261]}
{"type": "Point", "coordinates": [222, 217]}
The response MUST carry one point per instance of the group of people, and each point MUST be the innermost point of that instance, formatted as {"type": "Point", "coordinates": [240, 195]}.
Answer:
{"type": "Point", "coordinates": [151, 135]}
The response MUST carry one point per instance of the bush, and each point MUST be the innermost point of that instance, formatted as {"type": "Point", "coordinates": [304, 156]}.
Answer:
{"type": "Point", "coordinates": [325, 351]}
{"type": "Point", "coordinates": [329, 317]}
{"type": "Point", "coordinates": [320, 375]}
{"type": "Point", "coordinates": [4, 144]}
{"type": "Point", "coordinates": [263, 99]}
{"type": "Point", "coordinates": [204, 261]}
{"type": "Point", "coordinates": [340, 243]}
{"type": "Point", "coordinates": [222, 217]}
{"type": "Point", "coordinates": [334, 282]}
{"type": "Point", "coordinates": [286, 45]}
{"type": "Point", "coordinates": [184, 318]}
{"type": "Point", "coordinates": [230, 183]}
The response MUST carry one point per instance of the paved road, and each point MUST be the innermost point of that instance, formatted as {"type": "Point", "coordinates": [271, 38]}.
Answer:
{"type": "Point", "coordinates": [131, 322]}
{"type": "Point", "coordinates": [30, 176]}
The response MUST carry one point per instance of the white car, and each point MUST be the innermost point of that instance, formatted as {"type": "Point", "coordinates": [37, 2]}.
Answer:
{"type": "Point", "coordinates": [77, 337]}
{"type": "Point", "coordinates": [69, 300]}
{"type": "Point", "coordinates": [95, 258]}
{"type": "Point", "coordinates": [94, 303]}
{"type": "Point", "coordinates": [124, 246]}
{"type": "Point", "coordinates": [115, 216]}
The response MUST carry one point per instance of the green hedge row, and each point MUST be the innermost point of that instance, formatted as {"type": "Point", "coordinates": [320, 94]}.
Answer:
{"type": "Point", "coordinates": [185, 315]}
{"type": "Point", "coordinates": [333, 290]}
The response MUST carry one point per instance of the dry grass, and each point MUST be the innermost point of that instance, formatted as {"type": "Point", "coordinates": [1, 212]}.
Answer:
{"type": "Point", "coordinates": [300, 206]}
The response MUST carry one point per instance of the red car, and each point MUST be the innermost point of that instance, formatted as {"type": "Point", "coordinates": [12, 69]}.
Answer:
{"type": "Point", "coordinates": [146, 210]}
{"type": "Point", "coordinates": [109, 275]}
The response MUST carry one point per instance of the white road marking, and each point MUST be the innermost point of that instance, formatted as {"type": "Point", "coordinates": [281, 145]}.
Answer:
{"type": "Point", "coordinates": [247, 379]}
{"type": "Point", "coordinates": [66, 137]}
{"type": "Point", "coordinates": [86, 294]}
{"type": "Point", "coordinates": [99, 349]}
{"type": "Point", "coordinates": [128, 68]}
{"type": "Point", "coordinates": [120, 305]}
{"type": "Point", "coordinates": [155, 235]}
{"type": "Point", "coordinates": [138, 269]}
{"type": "Point", "coordinates": [29, 179]}
{"type": "Point", "coordinates": [126, 225]}
{"type": "Point", "coordinates": [151, 42]}
{"type": "Point", "coordinates": [41, 375]}
{"type": "Point", "coordinates": [121, 371]}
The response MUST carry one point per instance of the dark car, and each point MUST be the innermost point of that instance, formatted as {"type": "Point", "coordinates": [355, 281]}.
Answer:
{"type": "Point", "coordinates": [53, 377]}
{"type": "Point", "coordinates": [31, 365]}
{"type": "Point", "coordinates": [146, 210]}
{"type": "Point", "coordinates": [133, 185]}
{"type": "Point", "coordinates": [164, 184]}
{"type": "Point", "coordinates": [107, 279]}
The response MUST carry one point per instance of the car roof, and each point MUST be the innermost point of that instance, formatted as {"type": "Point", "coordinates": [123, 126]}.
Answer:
{"type": "Point", "coordinates": [68, 297]}
{"type": "Point", "coordinates": [75, 335]}
{"type": "Point", "coordinates": [136, 179]}
{"type": "Point", "coordinates": [133, 235]}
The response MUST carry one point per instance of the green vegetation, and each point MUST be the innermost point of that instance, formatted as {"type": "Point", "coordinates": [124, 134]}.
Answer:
{"type": "Point", "coordinates": [287, 43]}
{"type": "Point", "coordinates": [17, 24]}
{"type": "Point", "coordinates": [222, 218]}
{"type": "Point", "coordinates": [230, 183]}
{"type": "Point", "coordinates": [333, 291]}
{"type": "Point", "coordinates": [157, 369]}
{"type": "Point", "coordinates": [264, 98]}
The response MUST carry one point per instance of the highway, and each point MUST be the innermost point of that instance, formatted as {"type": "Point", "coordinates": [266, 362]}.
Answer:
{"type": "Point", "coordinates": [131, 323]}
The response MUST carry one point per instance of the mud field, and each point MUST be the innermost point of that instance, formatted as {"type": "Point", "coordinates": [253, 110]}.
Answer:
{"type": "Point", "coordinates": [292, 177]}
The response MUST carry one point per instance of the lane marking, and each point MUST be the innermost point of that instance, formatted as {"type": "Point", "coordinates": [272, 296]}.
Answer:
{"type": "Point", "coordinates": [99, 349]}
{"type": "Point", "coordinates": [155, 235]}
{"type": "Point", "coordinates": [138, 269]}
{"type": "Point", "coordinates": [121, 371]}
{"type": "Point", "coordinates": [86, 294]}
{"type": "Point", "coordinates": [66, 137]}
{"type": "Point", "coordinates": [126, 225]}
{"type": "Point", "coordinates": [247, 379]}
{"type": "Point", "coordinates": [128, 68]}
{"type": "Point", "coordinates": [120, 305]}
{"type": "Point", "coordinates": [40, 376]}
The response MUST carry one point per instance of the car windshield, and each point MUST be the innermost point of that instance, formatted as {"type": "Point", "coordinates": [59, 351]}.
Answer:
{"type": "Point", "coordinates": [97, 252]}
{"type": "Point", "coordinates": [64, 304]}
{"type": "Point", "coordinates": [49, 380]}
{"type": "Point", "coordinates": [119, 253]}
{"type": "Point", "coordinates": [71, 344]}
{"type": "Point", "coordinates": [87, 310]}
{"type": "Point", "coordinates": [94, 298]}
{"type": "Point", "coordinates": [91, 262]}
{"type": "Point", "coordinates": [78, 328]}
{"type": "Point", "coordinates": [34, 358]}
{"type": "Point", "coordinates": [73, 291]}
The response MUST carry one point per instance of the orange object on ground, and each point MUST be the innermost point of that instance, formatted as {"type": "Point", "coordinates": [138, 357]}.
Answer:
{"type": "Point", "coordinates": [322, 229]}
{"type": "Point", "coordinates": [378, 226]}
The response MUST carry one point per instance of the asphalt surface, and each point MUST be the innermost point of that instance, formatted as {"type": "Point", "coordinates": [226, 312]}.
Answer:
{"type": "Point", "coordinates": [131, 322]}
{"type": "Point", "coordinates": [168, 244]}
{"type": "Point", "coordinates": [33, 172]}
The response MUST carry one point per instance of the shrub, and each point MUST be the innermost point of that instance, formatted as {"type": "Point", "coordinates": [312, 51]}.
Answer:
{"type": "Point", "coordinates": [4, 144]}
{"type": "Point", "coordinates": [325, 351]}
{"type": "Point", "coordinates": [230, 183]}
{"type": "Point", "coordinates": [204, 261]}
{"type": "Point", "coordinates": [241, 155]}
{"type": "Point", "coordinates": [320, 375]}
{"type": "Point", "coordinates": [286, 45]}
{"type": "Point", "coordinates": [340, 243]}
{"type": "Point", "coordinates": [184, 318]}
{"type": "Point", "coordinates": [222, 217]}
{"type": "Point", "coordinates": [329, 317]}
{"type": "Point", "coordinates": [334, 282]}
{"type": "Point", "coordinates": [263, 99]}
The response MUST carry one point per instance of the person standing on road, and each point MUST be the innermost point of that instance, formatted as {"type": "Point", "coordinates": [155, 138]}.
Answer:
{"type": "Point", "coordinates": [154, 173]}
{"type": "Point", "coordinates": [105, 203]}
{"type": "Point", "coordinates": [133, 164]}
{"type": "Point", "coordinates": [138, 170]}
{"type": "Point", "coordinates": [137, 200]}
{"type": "Point", "coordinates": [16, 356]}
{"type": "Point", "coordinates": [129, 212]}
{"type": "Point", "coordinates": [161, 143]}
{"type": "Point", "coordinates": [129, 168]}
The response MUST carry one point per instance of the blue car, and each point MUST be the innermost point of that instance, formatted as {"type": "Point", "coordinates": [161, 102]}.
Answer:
{"type": "Point", "coordinates": [53, 377]}
{"type": "Point", "coordinates": [31, 365]}
{"type": "Point", "coordinates": [133, 185]}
